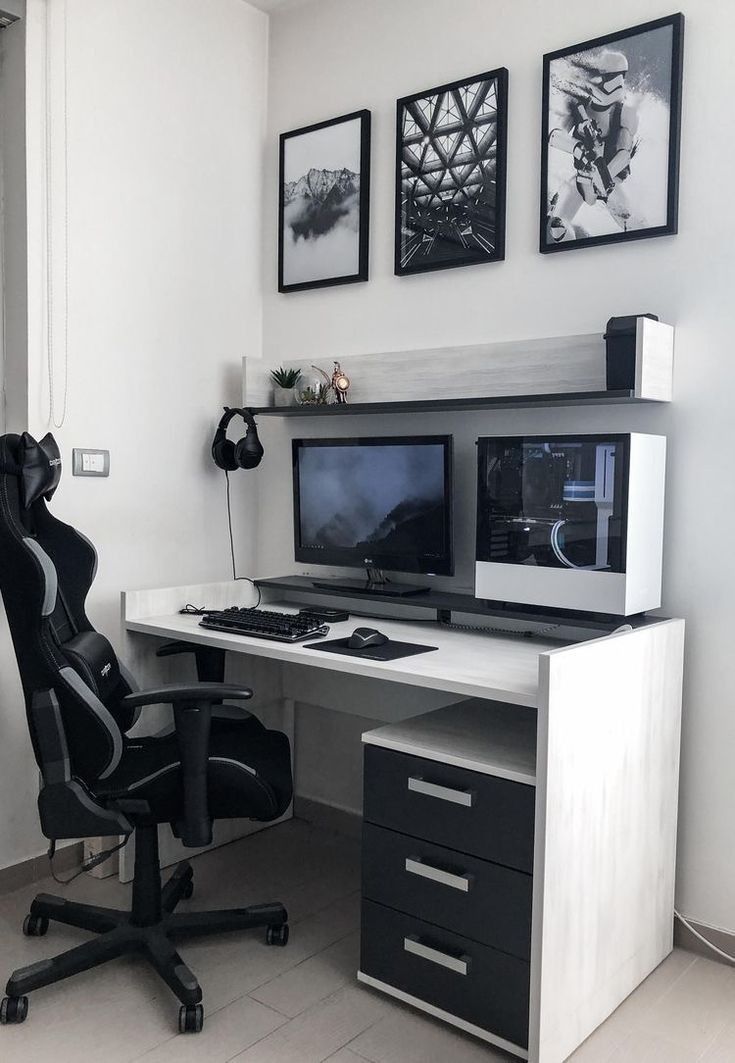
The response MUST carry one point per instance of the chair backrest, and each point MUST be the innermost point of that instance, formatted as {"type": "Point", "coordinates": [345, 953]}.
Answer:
{"type": "Point", "coordinates": [46, 570]}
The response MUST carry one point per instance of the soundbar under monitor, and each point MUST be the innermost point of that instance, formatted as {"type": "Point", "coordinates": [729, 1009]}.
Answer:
{"type": "Point", "coordinates": [376, 503]}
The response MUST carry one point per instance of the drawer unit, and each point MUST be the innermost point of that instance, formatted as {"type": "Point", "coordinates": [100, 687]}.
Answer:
{"type": "Point", "coordinates": [478, 899]}
{"type": "Point", "coordinates": [467, 811]}
{"type": "Point", "coordinates": [469, 981]}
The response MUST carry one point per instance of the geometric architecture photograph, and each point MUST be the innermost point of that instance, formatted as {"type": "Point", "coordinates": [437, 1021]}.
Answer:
{"type": "Point", "coordinates": [450, 175]}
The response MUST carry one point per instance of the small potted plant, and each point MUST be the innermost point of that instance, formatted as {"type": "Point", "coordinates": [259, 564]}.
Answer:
{"type": "Point", "coordinates": [284, 382]}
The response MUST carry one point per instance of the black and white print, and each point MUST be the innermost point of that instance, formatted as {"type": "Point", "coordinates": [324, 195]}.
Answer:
{"type": "Point", "coordinates": [450, 175]}
{"type": "Point", "coordinates": [611, 137]}
{"type": "Point", "coordinates": [324, 202]}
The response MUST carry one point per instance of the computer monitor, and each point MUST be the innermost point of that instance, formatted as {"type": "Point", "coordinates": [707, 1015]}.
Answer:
{"type": "Point", "coordinates": [375, 503]}
{"type": "Point", "coordinates": [571, 522]}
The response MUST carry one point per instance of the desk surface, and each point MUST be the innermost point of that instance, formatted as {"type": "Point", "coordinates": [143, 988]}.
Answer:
{"type": "Point", "coordinates": [498, 667]}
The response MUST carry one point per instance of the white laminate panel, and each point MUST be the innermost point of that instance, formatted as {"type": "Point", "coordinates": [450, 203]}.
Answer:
{"type": "Point", "coordinates": [155, 602]}
{"type": "Point", "coordinates": [486, 737]}
{"type": "Point", "coordinates": [606, 814]}
{"type": "Point", "coordinates": [654, 366]}
{"type": "Point", "coordinates": [471, 664]}
{"type": "Point", "coordinates": [518, 367]}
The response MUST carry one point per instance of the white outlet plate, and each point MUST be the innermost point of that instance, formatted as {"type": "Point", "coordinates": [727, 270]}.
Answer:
{"type": "Point", "coordinates": [87, 462]}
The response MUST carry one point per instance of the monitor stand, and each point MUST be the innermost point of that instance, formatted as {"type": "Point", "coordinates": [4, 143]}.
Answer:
{"type": "Point", "coordinates": [374, 584]}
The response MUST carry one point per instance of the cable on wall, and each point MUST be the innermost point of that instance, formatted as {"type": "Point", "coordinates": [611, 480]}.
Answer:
{"type": "Point", "coordinates": [235, 576]}
{"type": "Point", "coordinates": [57, 419]}
{"type": "Point", "coordinates": [702, 938]}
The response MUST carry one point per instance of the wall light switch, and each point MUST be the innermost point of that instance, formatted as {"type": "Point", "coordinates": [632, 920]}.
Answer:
{"type": "Point", "coordinates": [90, 462]}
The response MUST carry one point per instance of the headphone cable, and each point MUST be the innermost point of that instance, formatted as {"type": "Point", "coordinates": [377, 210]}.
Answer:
{"type": "Point", "coordinates": [232, 543]}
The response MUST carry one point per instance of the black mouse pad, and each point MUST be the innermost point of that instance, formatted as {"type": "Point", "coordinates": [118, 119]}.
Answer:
{"type": "Point", "coordinates": [389, 651]}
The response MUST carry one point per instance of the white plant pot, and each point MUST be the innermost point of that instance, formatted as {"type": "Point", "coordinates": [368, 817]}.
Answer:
{"type": "Point", "coordinates": [283, 396]}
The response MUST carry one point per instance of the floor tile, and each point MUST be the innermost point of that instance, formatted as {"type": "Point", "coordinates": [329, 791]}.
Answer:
{"type": "Point", "coordinates": [226, 1032]}
{"type": "Point", "coordinates": [618, 1027]}
{"type": "Point", "coordinates": [313, 979]}
{"type": "Point", "coordinates": [232, 965]}
{"type": "Point", "coordinates": [404, 1036]}
{"type": "Point", "coordinates": [114, 1016]}
{"type": "Point", "coordinates": [345, 1056]}
{"type": "Point", "coordinates": [722, 1049]}
{"type": "Point", "coordinates": [319, 1032]}
{"type": "Point", "coordinates": [696, 1008]}
{"type": "Point", "coordinates": [650, 1048]}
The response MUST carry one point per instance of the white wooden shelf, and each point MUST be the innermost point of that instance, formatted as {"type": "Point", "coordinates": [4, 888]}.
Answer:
{"type": "Point", "coordinates": [487, 737]}
{"type": "Point", "coordinates": [562, 370]}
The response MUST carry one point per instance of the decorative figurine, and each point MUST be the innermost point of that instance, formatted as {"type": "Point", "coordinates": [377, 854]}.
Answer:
{"type": "Point", "coordinates": [314, 392]}
{"type": "Point", "coordinates": [340, 383]}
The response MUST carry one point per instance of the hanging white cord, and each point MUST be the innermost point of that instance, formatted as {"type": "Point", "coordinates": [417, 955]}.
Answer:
{"type": "Point", "coordinates": [50, 292]}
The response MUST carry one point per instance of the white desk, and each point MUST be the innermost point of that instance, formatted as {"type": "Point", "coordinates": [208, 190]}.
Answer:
{"type": "Point", "coordinates": [607, 730]}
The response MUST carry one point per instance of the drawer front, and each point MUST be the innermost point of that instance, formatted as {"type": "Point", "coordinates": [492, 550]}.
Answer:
{"type": "Point", "coordinates": [473, 813]}
{"type": "Point", "coordinates": [470, 981]}
{"type": "Point", "coordinates": [480, 900]}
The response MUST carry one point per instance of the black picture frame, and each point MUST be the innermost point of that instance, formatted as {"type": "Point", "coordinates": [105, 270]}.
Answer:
{"type": "Point", "coordinates": [547, 244]}
{"type": "Point", "coordinates": [363, 228]}
{"type": "Point", "coordinates": [480, 249]}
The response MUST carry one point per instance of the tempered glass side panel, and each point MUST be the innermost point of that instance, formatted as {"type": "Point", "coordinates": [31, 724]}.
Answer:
{"type": "Point", "coordinates": [553, 501]}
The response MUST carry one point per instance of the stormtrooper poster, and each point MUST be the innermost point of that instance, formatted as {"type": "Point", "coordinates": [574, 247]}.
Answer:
{"type": "Point", "coordinates": [610, 149]}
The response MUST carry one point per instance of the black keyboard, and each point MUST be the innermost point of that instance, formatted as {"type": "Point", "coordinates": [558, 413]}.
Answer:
{"type": "Point", "coordinates": [264, 624]}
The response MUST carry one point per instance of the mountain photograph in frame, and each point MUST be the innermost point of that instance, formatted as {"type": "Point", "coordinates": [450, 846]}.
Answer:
{"type": "Point", "coordinates": [324, 203]}
{"type": "Point", "coordinates": [450, 174]}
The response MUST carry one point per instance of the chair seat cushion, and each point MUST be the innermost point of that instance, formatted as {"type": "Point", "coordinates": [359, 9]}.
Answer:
{"type": "Point", "coordinates": [249, 772]}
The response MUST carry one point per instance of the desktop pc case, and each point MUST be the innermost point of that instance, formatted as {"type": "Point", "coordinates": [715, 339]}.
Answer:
{"type": "Point", "coordinates": [571, 521]}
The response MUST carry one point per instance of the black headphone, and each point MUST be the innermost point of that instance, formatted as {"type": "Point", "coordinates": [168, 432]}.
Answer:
{"type": "Point", "coordinates": [246, 453]}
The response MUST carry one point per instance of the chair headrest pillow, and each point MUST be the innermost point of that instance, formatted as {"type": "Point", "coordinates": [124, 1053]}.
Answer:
{"type": "Point", "coordinates": [40, 468]}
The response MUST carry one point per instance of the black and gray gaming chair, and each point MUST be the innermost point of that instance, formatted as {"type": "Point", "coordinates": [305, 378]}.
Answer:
{"type": "Point", "coordinates": [97, 781]}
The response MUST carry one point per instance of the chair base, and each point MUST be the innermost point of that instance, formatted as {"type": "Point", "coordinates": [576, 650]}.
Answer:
{"type": "Point", "coordinates": [122, 932]}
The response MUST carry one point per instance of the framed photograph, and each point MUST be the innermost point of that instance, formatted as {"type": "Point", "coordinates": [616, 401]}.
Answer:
{"type": "Point", "coordinates": [610, 141]}
{"type": "Point", "coordinates": [324, 204]}
{"type": "Point", "coordinates": [450, 174]}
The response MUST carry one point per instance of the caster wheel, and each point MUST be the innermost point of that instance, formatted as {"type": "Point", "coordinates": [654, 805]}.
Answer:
{"type": "Point", "coordinates": [191, 1018]}
{"type": "Point", "coordinates": [13, 1010]}
{"type": "Point", "coordinates": [277, 934]}
{"type": "Point", "coordinates": [35, 926]}
{"type": "Point", "coordinates": [187, 891]}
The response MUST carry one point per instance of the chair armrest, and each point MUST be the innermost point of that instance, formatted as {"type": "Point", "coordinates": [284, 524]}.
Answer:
{"type": "Point", "coordinates": [197, 693]}
{"type": "Point", "coordinates": [193, 719]}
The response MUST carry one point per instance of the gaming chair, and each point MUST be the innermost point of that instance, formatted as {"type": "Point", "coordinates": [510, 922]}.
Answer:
{"type": "Point", "coordinates": [96, 780]}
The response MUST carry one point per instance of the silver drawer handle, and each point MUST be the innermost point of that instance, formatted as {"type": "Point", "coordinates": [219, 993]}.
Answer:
{"type": "Point", "coordinates": [444, 793]}
{"type": "Point", "coordinates": [458, 964]}
{"type": "Point", "coordinates": [416, 866]}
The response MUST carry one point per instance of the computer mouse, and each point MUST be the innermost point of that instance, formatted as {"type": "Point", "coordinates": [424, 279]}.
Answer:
{"type": "Point", "coordinates": [362, 637]}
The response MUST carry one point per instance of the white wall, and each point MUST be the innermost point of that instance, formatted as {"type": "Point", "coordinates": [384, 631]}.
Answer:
{"type": "Point", "coordinates": [165, 136]}
{"type": "Point", "coordinates": [335, 56]}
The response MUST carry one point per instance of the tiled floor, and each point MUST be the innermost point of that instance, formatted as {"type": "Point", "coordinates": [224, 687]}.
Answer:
{"type": "Point", "coordinates": [302, 1004]}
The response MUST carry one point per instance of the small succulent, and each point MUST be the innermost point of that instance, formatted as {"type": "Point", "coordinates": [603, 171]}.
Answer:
{"type": "Point", "coordinates": [285, 378]}
{"type": "Point", "coordinates": [315, 396]}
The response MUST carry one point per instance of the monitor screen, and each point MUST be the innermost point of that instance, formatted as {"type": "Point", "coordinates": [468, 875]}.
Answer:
{"type": "Point", "coordinates": [382, 502]}
{"type": "Point", "coordinates": [554, 501]}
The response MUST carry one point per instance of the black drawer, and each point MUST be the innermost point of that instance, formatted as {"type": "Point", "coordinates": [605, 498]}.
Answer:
{"type": "Point", "coordinates": [480, 900]}
{"type": "Point", "coordinates": [473, 813]}
{"type": "Point", "coordinates": [470, 981]}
